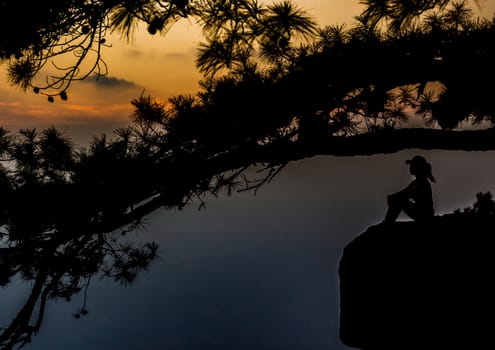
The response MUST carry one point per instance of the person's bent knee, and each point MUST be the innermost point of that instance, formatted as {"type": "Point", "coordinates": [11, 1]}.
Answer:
{"type": "Point", "coordinates": [395, 201]}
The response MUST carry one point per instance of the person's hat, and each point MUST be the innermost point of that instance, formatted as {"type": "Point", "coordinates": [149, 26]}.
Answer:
{"type": "Point", "coordinates": [417, 160]}
{"type": "Point", "coordinates": [421, 165]}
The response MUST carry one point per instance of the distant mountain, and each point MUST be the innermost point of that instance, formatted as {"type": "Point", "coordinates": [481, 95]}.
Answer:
{"type": "Point", "coordinates": [410, 285]}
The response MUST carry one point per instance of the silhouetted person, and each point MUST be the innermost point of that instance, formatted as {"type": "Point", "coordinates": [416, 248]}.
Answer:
{"type": "Point", "coordinates": [416, 199]}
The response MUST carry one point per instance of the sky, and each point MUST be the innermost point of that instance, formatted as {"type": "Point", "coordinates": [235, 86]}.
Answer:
{"type": "Point", "coordinates": [252, 272]}
{"type": "Point", "coordinates": [248, 272]}
{"type": "Point", "coordinates": [162, 66]}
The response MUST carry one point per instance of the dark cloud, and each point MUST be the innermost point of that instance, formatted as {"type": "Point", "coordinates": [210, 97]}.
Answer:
{"type": "Point", "coordinates": [154, 55]}
{"type": "Point", "coordinates": [134, 53]}
{"type": "Point", "coordinates": [106, 81]}
{"type": "Point", "coordinates": [176, 56]}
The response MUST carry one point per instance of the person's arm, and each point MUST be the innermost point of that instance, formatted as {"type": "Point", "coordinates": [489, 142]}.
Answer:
{"type": "Point", "coordinates": [406, 193]}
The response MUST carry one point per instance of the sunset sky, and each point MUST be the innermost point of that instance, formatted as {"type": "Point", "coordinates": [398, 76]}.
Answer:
{"type": "Point", "coordinates": [162, 66]}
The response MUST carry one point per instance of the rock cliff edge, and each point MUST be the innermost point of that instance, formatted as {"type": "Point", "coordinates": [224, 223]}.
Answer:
{"type": "Point", "coordinates": [410, 285]}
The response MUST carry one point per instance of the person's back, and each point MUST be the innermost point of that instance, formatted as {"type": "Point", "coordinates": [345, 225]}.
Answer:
{"type": "Point", "coordinates": [423, 198]}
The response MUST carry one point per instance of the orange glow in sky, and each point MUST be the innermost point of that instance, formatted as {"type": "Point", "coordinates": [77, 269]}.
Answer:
{"type": "Point", "coordinates": [162, 66]}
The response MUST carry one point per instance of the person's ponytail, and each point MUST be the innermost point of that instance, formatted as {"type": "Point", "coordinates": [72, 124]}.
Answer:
{"type": "Point", "coordinates": [429, 175]}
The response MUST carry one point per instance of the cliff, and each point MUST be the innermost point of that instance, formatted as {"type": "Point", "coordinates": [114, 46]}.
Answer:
{"type": "Point", "coordinates": [419, 286]}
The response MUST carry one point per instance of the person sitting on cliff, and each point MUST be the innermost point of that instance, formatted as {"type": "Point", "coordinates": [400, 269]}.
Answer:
{"type": "Point", "coordinates": [416, 199]}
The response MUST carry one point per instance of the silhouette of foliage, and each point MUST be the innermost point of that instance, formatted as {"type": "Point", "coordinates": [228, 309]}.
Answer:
{"type": "Point", "coordinates": [56, 223]}
{"type": "Point", "coordinates": [239, 34]}
{"type": "Point", "coordinates": [62, 207]}
{"type": "Point", "coordinates": [61, 264]}
{"type": "Point", "coordinates": [76, 32]}
{"type": "Point", "coordinates": [484, 206]}
{"type": "Point", "coordinates": [276, 99]}
{"type": "Point", "coordinates": [347, 80]}
{"type": "Point", "coordinates": [399, 15]}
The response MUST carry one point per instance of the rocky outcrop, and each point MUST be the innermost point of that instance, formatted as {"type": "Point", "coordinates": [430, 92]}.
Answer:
{"type": "Point", "coordinates": [414, 285]}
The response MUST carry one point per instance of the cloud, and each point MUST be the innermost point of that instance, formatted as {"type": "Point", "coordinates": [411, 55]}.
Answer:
{"type": "Point", "coordinates": [153, 54]}
{"type": "Point", "coordinates": [176, 55]}
{"type": "Point", "coordinates": [133, 53]}
{"type": "Point", "coordinates": [105, 81]}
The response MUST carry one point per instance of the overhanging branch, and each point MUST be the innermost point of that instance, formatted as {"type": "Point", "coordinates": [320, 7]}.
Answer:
{"type": "Point", "coordinates": [382, 142]}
